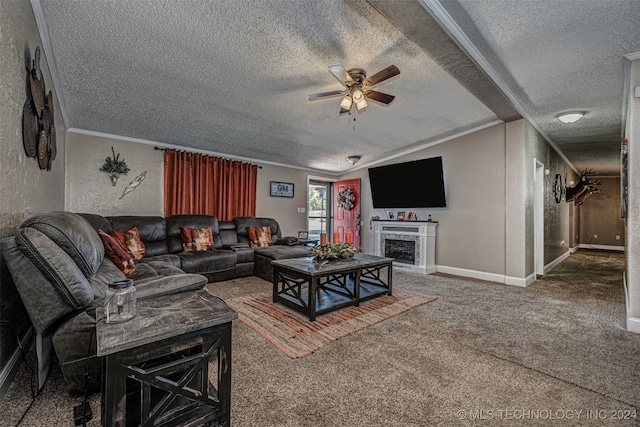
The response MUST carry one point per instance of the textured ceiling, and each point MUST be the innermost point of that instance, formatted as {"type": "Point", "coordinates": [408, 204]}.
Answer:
{"type": "Point", "coordinates": [232, 77]}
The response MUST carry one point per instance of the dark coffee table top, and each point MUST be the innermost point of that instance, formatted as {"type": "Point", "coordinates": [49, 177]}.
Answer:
{"type": "Point", "coordinates": [163, 317]}
{"type": "Point", "coordinates": [307, 266]}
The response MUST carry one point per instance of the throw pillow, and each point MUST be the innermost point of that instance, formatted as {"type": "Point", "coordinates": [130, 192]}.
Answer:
{"type": "Point", "coordinates": [259, 237]}
{"type": "Point", "coordinates": [117, 252]}
{"type": "Point", "coordinates": [196, 239]}
{"type": "Point", "coordinates": [131, 240]}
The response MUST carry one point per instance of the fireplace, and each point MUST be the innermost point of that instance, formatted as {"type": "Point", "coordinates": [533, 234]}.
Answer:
{"type": "Point", "coordinates": [412, 244]}
{"type": "Point", "coordinates": [401, 250]}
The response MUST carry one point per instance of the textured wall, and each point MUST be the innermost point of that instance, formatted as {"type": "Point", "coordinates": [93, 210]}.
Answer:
{"type": "Point", "coordinates": [601, 215]}
{"type": "Point", "coordinates": [557, 216]}
{"type": "Point", "coordinates": [24, 188]}
{"type": "Point", "coordinates": [471, 229]}
{"type": "Point", "coordinates": [633, 217]}
{"type": "Point", "coordinates": [89, 190]}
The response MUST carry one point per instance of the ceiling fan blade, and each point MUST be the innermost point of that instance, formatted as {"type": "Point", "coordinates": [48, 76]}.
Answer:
{"type": "Point", "coordinates": [341, 74]}
{"type": "Point", "coordinates": [381, 76]}
{"type": "Point", "coordinates": [374, 95]}
{"type": "Point", "coordinates": [321, 95]}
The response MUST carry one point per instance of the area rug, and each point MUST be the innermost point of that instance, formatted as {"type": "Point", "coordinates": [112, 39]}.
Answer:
{"type": "Point", "coordinates": [297, 337]}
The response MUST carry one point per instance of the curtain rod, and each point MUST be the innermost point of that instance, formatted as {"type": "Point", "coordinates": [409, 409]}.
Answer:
{"type": "Point", "coordinates": [165, 149]}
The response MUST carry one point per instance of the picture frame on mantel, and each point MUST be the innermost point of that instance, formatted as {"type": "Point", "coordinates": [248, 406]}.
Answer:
{"type": "Point", "coordinates": [281, 189]}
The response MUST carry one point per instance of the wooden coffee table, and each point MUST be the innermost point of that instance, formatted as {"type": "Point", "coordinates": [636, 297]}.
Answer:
{"type": "Point", "coordinates": [314, 289]}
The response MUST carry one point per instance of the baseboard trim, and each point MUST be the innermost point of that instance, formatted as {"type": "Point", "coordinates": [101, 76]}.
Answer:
{"type": "Point", "coordinates": [474, 274]}
{"type": "Point", "coordinates": [603, 247]}
{"type": "Point", "coordinates": [555, 262]}
{"type": "Point", "coordinates": [633, 324]}
{"type": "Point", "coordinates": [9, 372]}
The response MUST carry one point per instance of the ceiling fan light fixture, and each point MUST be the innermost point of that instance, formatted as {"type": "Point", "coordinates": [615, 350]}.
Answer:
{"type": "Point", "coordinates": [571, 117]}
{"type": "Point", "coordinates": [346, 102]}
{"type": "Point", "coordinates": [358, 95]}
{"type": "Point", "coordinates": [361, 104]}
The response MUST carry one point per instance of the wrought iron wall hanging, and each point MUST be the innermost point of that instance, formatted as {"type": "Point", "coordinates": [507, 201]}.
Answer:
{"type": "Point", "coordinates": [38, 128]}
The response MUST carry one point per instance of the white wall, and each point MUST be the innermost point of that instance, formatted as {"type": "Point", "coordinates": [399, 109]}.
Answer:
{"type": "Point", "coordinates": [471, 229]}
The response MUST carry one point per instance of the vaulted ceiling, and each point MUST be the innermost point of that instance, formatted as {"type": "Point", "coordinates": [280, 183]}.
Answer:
{"type": "Point", "coordinates": [232, 77]}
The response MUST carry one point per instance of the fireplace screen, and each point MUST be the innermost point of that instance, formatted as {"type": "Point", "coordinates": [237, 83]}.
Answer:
{"type": "Point", "coordinates": [402, 250]}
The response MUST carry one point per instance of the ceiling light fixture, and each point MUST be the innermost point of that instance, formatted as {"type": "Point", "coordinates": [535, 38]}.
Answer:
{"type": "Point", "coordinates": [354, 159]}
{"type": "Point", "coordinates": [346, 102]}
{"type": "Point", "coordinates": [571, 117]}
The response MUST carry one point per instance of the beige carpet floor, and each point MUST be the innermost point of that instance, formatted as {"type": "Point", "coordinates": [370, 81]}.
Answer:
{"type": "Point", "coordinates": [555, 353]}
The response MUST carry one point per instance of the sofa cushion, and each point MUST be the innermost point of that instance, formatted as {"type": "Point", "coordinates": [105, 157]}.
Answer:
{"type": "Point", "coordinates": [131, 240]}
{"type": "Point", "coordinates": [57, 266]}
{"type": "Point", "coordinates": [106, 274]}
{"type": "Point", "coordinates": [259, 237]}
{"type": "Point", "coordinates": [117, 252]}
{"type": "Point", "coordinates": [242, 222]}
{"type": "Point", "coordinates": [152, 231]}
{"type": "Point", "coordinates": [168, 259]}
{"type": "Point", "coordinates": [227, 233]}
{"type": "Point", "coordinates": [208, 261]}
{"type": "Point", "coordinates": [196, 239]}
{"type": "Point", "coordinates": [43, 302]}
{"type": "Point", "coordinates": [174, 222]}
{"type": "Point", "coordinates": [74, 235]}
{"type": "Point", "coordinates": [282, 252]}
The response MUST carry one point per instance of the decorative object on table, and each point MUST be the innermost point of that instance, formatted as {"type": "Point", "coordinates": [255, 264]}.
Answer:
{"type": "Point", "coordinates": [115, 167]}
{"type": "Point", "coordinates": [400, 215]}
{"type": "Point", "coordinates": [348, 237]}
{"type": "Point", "coordinates": [120, 301]}
{"type": "Point", "coordinates": [392, 215]}
{"type": "Point", "coordinates": [336, 238]}
{"type": "Point", "coordinates": [332, 252]}
{"type": "Point", "coordinates": [38, 130]}
{"type": "Point", "coordinates": [303, 234]}
{"type": "Point", "coordinates": [323, 239]}
{"type": "Point", "coordinates": [346, 199]}
{"type": "Point", "coordinates": [134, 184]}
{"type": "Point", "coordinates": [281, 189]}
{"type": "Point", "coordinates": [411, 216]}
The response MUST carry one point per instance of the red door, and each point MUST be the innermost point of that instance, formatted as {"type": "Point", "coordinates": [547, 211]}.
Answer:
{"type": "Point", "coordinates": [346, 209]}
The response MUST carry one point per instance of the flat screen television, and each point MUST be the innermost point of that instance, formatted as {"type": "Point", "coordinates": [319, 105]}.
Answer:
{"type": "Point", "coordinates": [417, 184]}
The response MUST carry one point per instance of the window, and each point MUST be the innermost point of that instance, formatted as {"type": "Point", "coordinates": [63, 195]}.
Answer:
{"type": "Point", "coordinates": [318, 218]}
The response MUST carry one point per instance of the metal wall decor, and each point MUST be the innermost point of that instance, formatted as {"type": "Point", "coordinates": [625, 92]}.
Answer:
{"type": "Point", "coordinates": [114, 167]}
{"type": "Point", "coordinates": [134, 184]}
{"type": "Point", "coordinates": [38, 127]}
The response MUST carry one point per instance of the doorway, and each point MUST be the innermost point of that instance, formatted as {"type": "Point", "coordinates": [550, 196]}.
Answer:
{"type": "Point", "coordinates": [538, 223]}
{"type": "Point", "coordinates": [318, 214]}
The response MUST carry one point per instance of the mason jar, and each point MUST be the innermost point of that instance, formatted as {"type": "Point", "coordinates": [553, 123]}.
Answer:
{"type": "Point", "coordinates": [120, 301]}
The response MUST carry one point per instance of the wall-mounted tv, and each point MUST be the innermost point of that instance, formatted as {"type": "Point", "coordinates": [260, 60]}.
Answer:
{"type": "Point", "coordinates": [417, 184]}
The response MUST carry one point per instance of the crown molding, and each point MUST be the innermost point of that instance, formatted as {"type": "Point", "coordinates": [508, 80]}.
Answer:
{"type": "Point", "coordinates": [194, 150]}
{"type": "Point", "coordinates": [38, 13]}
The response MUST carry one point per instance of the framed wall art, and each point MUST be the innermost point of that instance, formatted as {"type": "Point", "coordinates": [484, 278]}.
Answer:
{"type": "Point", "coordinates": [281, 189]}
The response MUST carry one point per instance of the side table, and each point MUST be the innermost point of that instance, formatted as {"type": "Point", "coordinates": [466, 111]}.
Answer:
{"type": "Point", "coordinates": [170, 365]}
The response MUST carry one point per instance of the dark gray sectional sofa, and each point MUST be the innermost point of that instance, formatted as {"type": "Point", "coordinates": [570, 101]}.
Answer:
{"type": "Point", "coordinates": [58, 264]}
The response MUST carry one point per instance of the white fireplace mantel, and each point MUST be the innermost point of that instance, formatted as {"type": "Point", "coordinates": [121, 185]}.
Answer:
{"type": "Point", "coordinates": [422, 233]}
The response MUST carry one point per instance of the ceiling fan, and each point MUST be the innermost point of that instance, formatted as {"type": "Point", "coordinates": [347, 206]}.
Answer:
{"type": "Point", "coordinates": [358, 87]}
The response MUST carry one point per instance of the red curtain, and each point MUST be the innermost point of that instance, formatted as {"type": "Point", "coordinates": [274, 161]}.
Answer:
{"type": "Point", "coordinates": [204, 185]}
